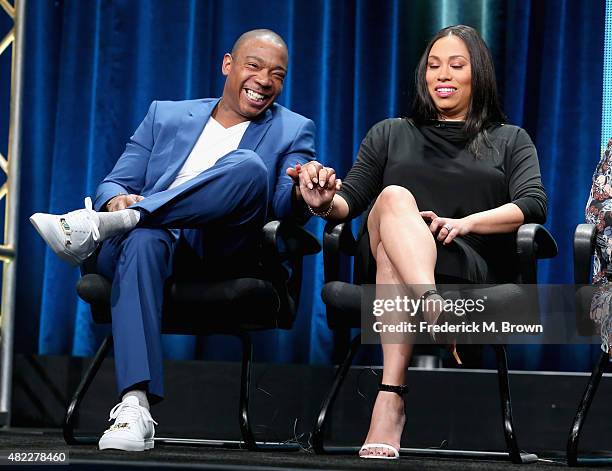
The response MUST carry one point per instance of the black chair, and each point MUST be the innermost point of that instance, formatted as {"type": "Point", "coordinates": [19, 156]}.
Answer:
{"type": "Point", "coordinates": [247, 304]}
{"type": "Point", "coordinates": [584, 249]}
{"type": "Point", "coordinates": [343, 302]}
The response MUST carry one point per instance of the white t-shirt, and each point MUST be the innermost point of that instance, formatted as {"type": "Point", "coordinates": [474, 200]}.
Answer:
{"type": "Point", "coordinates": [214, 142]}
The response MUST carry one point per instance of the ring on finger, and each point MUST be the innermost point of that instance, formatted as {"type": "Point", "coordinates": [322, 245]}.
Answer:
{"type": "Point", "coordinates": [448, 227]}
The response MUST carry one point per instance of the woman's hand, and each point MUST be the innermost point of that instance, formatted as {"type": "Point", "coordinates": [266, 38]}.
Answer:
{"type": "Point", "coordinates": [446, 229]}
{"type": "Point", "coordinates": [317, 184]}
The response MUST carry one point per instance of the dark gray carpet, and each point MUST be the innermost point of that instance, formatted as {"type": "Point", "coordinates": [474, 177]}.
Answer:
{"type": "Point", "coordinates": [178, 457]}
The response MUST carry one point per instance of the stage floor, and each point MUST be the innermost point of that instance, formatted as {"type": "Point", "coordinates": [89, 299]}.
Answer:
{"type": "Point", "coordinates": [166, 456]}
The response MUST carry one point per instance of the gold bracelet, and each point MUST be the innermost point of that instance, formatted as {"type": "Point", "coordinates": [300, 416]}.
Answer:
{"type": "Point", "coordinates": [322, 214]}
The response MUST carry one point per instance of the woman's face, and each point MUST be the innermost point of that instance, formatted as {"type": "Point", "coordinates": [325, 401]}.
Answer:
{"type": "Point", "coordinates": [449, 77]}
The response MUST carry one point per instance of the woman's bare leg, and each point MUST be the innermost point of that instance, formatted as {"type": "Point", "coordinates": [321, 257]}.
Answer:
{"type": "Point", "coordinates": [405, 253]}
{"type": "Point", "coordinates": [395, 222]}
{"type": "Point", "coordinates": [388, 416]}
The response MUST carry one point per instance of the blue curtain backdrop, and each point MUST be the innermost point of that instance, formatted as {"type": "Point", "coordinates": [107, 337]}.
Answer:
{"type": "Point", "coordinates": [92, 68]}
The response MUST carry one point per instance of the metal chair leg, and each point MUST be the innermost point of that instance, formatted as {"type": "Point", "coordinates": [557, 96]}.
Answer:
{"type": "Point", "coordinates": [328, 401]}
{"type": "Point", "coordinates": [245, 383]}
{"type": "Point", "coordinates": [73, 407]}
{"type": "Point", "coordinates": [516, 456]}
{"type": "Point", "coordinates": [583, 409]}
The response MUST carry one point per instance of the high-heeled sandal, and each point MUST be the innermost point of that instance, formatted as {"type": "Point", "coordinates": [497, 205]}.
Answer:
{"type": "Point", "coordinates": [401, 390]}
{"type": "Point", "coordinates": [444, 317]}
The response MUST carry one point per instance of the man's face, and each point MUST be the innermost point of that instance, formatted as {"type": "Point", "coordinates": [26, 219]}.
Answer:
{"type": "Point", "coordinates": [255, 75]}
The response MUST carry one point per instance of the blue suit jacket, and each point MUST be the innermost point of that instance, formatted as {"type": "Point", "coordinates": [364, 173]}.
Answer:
{"type": "Point", "coordinates": [161, 144]}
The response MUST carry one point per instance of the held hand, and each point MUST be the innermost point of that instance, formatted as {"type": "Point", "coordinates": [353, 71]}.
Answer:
{"type": "Point", "coordinates": [122, 201]}
{"type": "Point", "coordinates": [446, 229]}
{"type": "Point", "coordinates": [317, 185]}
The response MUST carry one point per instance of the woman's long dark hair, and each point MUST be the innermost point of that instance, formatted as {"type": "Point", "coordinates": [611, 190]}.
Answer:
{"type": "Point", "coordinates": [485, 108]}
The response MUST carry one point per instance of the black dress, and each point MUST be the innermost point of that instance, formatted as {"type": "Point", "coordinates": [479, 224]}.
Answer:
{"type": "Point", "coordinates": [432, 161]}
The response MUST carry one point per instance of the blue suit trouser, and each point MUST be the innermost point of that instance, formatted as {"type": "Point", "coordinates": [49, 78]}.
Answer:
{"type": "Point", "coordinates": [219, 213]}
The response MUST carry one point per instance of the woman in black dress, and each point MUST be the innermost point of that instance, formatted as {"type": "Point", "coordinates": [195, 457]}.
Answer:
{"type": "Point", "coordinates": [444, 191]}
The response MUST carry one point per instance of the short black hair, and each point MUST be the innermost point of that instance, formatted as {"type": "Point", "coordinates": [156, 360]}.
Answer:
{"type": "Point", "coordinates": [267, 34]}
{"type": "Point", "coordinates": [485, 108]}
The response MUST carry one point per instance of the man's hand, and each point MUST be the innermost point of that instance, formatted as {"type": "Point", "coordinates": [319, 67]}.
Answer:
{"type": "Point", "coordinates": [122, 201]}
{"type": "Point", "coordinates": [316, 185]}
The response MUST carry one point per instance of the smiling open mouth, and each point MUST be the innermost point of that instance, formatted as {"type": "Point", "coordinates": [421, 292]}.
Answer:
{"type": "Point", "coordinates": [444, 92]}
{"type": "Point", "coordinates": [254, 95]}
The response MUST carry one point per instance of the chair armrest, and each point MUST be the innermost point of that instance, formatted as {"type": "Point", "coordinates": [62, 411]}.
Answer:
{"type": "Point", "coordinates": [337, 239]}
{"type": "Point", "coordinates": [584, 248]}
{"type": "Point", "coordinates": [284, 242]}
{"type": "Point", "coordinates": [533, 242]}
{"type": "Point", "coordinates": [284, 246]}
{"type": "Point", "coordinates": [296, 241]}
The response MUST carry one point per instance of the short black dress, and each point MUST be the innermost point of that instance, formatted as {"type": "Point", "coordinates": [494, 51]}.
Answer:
{"type": "Point", "coordinates": [433, 162]}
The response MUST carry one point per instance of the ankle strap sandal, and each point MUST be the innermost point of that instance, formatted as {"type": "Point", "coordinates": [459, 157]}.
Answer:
{"type": "Point", "coordinates": [428, 293]}
{"type": "Point", "coordinates": [423, 299]}
{"type": "Point", "coordinates": [400, 390]}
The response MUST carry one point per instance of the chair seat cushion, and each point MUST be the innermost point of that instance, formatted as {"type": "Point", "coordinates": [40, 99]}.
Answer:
{"type": "Point", "coordinates": [193, 307]}
{"type": "Point", "coordinates": [343, 301]}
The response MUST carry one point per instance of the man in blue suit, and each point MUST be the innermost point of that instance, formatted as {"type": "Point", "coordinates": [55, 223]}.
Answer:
{"type": "Point", "coordinates": [198, 177]}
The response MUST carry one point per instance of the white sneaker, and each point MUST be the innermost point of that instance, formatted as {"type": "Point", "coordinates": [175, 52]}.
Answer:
{"type": "Point", "coordinates": [133, 429]}
{"type": "Point", "coordinates": [73, 236]}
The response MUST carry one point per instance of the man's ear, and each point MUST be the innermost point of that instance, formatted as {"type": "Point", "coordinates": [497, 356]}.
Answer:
{"type": "Point", "coordinates": [226, 66]}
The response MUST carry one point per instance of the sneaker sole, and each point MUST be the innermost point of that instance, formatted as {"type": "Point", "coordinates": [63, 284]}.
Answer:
{"type": "Point", "coordinates": [126, 445]}
{"type": "Point", "coordinates": [45, 226]}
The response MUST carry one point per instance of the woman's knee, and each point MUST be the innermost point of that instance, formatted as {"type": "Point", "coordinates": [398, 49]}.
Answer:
{"type": "Point", "coordinates": [393, 196]}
